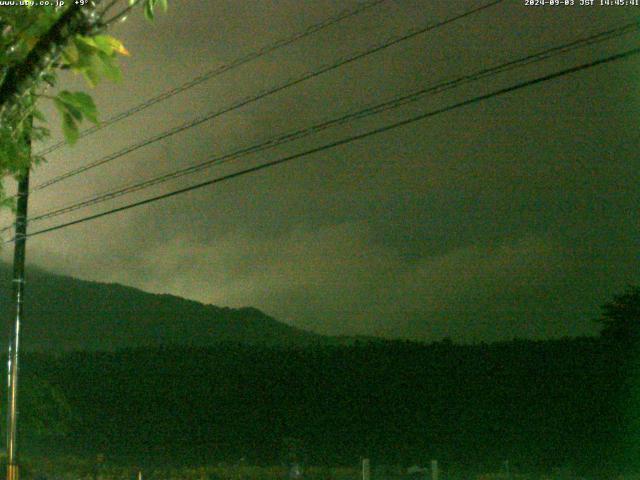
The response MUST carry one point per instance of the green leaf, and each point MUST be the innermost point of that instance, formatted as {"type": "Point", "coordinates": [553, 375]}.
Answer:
{"type": "Point", "coordinates": [90, 76]}
{"type": "Point", "coordinates": [85, 52]}
{"type": "Point", "coordinates": [108, 67]}
{"type": "Point", "coordinates": [69, 128]}
{"type": "Point", "coordinates": [82, 102]}
{"type": "Point", "coordinates": [88, 41]}
{"type": "Point", "coordinates": [71, 54]}
{"type": "Point", "coordinates": [148, 9]}
{"type": "Point", "coordinates": [74, 106]}
{"type": "Point", "coordinates": [67, 108]}
{"type": "Point", "coordinates": [102, 44]}
{"type": "Point", "coordinates": [109, 45]}
{"type": "Point", "coordinates": [87, 106]}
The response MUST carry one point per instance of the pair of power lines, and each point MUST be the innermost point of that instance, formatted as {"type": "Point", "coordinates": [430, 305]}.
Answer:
{"type": "Point", "coordinates": [273, 142]}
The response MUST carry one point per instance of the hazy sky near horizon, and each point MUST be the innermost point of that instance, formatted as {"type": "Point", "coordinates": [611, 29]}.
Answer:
{"type": "Point", "coordinates": [513, 217]}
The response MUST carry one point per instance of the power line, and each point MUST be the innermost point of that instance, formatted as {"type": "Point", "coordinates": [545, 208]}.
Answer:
{"type": "Point", "coordinates": [422, 116]}
{"type": "Point", "coordinates": [283, 42]}
{"type": "Point", "coordinates": [362, 113]}
{"type": "Point", "coordinates": [243, 102]}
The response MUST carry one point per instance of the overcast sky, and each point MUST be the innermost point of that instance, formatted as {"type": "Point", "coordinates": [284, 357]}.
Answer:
{"type": "Point", "coordinates": [513, 217]}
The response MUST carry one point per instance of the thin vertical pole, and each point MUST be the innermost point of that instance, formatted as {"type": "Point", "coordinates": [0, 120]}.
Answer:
{"type": "Point", "coordinates": [366, 469]}
{"type": "Point", "coordinates": [14, 340]}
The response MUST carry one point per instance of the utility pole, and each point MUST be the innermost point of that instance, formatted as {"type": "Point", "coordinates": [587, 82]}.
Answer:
{"type": "Point", "coordinates": [18, 299]}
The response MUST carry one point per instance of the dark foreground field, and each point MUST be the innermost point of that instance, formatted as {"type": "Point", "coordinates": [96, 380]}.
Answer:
{"type": "Point", "coordinates": [71, 468]}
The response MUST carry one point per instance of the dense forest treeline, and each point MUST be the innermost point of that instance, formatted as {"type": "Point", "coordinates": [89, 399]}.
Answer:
{"type": "Point", "coordinates": [537, 403]}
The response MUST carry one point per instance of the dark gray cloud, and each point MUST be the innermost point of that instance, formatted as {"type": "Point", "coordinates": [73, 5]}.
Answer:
{"type": "Point", "coordinates": [513, 217]}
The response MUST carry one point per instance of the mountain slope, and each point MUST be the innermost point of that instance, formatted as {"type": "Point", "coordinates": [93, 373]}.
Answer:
{"type": "Point", "coordinates": [64, 313]}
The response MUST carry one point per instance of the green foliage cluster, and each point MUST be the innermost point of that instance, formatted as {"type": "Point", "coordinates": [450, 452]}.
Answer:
{"type": "Point", "coordinates": [94, 57]}
{"type": "Point", "coordinates": [21, 27]}
{"type": "Point", "coordinates": [87, 51]}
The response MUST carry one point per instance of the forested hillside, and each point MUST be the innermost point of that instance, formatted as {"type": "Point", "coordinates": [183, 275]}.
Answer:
{"type": "Point", "coordinates": [64, 314]}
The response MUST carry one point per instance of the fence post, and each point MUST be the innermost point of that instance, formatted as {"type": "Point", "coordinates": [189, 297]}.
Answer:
{"type": "Point", "coordinates": [434, 469]}
{"type": "Point", "coordinates": [366, 469]}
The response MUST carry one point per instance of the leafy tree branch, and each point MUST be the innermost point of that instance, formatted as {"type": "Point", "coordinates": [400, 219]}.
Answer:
{"type": "Point", "coordinates": [35, 43]}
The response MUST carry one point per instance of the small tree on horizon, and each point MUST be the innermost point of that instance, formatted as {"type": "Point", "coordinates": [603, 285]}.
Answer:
{"type": "Point", "coordinates": [620, 317]}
